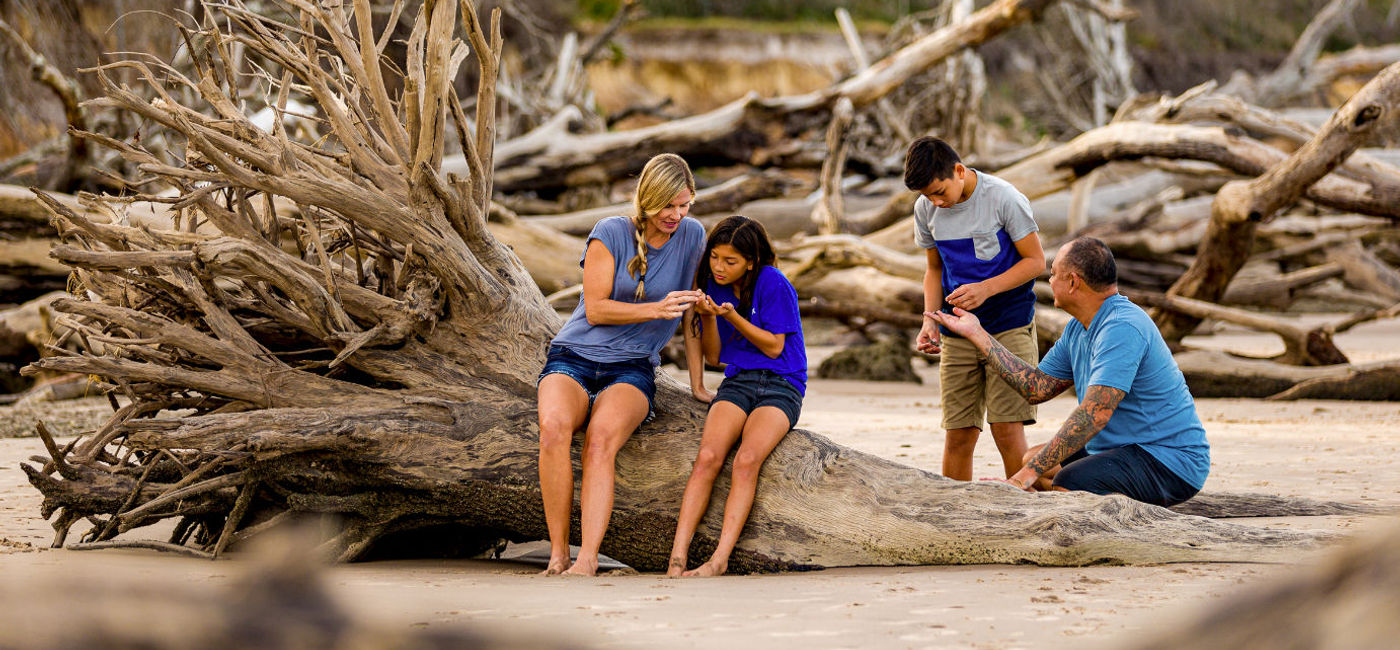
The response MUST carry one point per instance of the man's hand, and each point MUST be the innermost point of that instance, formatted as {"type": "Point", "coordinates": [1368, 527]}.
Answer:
{"type": "Point", "coordinates": [1022, 480]}
{"type": "Point", "coordinates": [961, 321]}
{"type": "Point", "coordinates": [970, 296]}
{"type": "Point", "coordinates": [929, 340]}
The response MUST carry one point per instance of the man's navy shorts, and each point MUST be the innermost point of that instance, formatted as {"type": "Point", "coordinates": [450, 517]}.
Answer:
{"type": "Point", "coordinates": [1130, 471]}
{"type": "Point", "coordinates": [595, 376]}
{"type": "Point", "coordinates": [750, 389]}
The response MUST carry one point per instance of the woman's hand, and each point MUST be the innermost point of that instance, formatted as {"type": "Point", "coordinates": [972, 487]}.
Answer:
{"type": "Point", "coordinates": [675, 304]}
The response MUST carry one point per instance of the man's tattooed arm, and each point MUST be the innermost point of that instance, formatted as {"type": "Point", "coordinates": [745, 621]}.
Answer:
{"type": "Point", "coordinates": [1025, 378]}
{"type": "Point", "coordinates": [1083, 423]}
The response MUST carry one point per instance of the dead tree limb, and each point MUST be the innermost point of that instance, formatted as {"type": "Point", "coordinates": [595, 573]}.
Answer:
{"type": "Point", "coordinates": [1241, 206]}
{"type": "Point", "coordinates": [747, 129]}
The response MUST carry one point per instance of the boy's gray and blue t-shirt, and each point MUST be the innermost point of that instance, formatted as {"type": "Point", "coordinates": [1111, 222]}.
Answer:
{"type": "Point", "coordinates": [976, 240]}
{"type": "Point", "coordinates": [669, 268]}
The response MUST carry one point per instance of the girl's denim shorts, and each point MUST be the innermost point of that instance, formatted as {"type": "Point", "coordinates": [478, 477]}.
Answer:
{"type": "Point", "coordinates": [595, 376]}
{"type": "Point", "coordinates": [750, 389]}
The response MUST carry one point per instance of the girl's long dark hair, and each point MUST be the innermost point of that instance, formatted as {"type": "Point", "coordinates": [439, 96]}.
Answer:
{"type": "Point", "coordinates": [750, 239]}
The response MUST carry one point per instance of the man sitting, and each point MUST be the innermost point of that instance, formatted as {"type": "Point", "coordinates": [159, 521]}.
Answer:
{"type": "Point", "coordinates": [1135, 431]}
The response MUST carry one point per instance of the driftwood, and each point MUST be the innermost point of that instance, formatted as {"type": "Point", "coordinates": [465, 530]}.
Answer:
{"type": "Point", "coordinates": [723, 198]}
{"type": "Point", "coordinates": [280, 599]}
{"type": "Point", "coordinates": [1346, 599]}
{"type": "Point", "coordinates": [744, 131]}
{"type": "Point", "coordinates": [1240, 206]}
{"type": "Point", "coordinates": [383, 370]}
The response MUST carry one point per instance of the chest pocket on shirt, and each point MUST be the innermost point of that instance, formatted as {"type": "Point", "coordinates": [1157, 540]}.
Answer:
{"type": "Point", "coordinates": [986, 244]}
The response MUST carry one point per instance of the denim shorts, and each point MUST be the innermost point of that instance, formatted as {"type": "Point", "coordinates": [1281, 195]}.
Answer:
{"type": "Point", "coordinates": [750, 389]}
{"type": "Point", "coordinates": [1130, 471]}
{"type": "Point", "coordinates": [595, 376]}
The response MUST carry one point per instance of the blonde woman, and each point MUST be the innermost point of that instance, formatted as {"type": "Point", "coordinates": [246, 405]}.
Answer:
{"type": "Point", "coordinates": [601, 369]}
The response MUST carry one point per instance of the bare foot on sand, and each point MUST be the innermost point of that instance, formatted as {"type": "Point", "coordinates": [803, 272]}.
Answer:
{"type": "Point", "coordinates": [676, 567]}
{"type": "Point", "coordinates": [707, 570]}
{"type": "Point", "coordinates": [556, 567]}
{"type": "Point", "coordinates": [582, 567]}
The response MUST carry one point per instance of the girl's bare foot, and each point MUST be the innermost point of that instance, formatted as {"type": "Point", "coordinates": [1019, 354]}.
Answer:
{"type": "Point", "coordinates": [676, 567]}
{"type": "Point", "coordinates": [707, 570]}
{"type": "Point", "coordinates": [556, 566]}
{"type": "Point", "coordinates": [583, 567]}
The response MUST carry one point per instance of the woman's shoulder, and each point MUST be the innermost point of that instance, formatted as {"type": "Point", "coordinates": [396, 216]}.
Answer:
{"type": "Point", "coordinates": [614, 223]}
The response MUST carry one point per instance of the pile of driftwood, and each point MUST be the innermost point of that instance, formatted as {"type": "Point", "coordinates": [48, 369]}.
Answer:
{"type": "Point", "coordinates": [346, 322]}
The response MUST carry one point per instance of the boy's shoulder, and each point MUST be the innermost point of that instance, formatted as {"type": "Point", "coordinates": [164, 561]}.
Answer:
{"type": "Point", "coordinates": [996, 186]}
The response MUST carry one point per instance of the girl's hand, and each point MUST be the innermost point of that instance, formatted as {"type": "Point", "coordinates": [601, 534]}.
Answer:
{"type": "Point", "coordinates": [723, 310]}
{"type": "Point", "coordinates": [703, 395]}
{"type": "Point", "coordinates": [705, 307]}
{"type": "Point", "coordinates": [675, 304]}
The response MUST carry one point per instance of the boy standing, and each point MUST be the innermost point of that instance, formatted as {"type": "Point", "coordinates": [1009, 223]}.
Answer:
{"type": "Point", "coordinates": [983, 256]}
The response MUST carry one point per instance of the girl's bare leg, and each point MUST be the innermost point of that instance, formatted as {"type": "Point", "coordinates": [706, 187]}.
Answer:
{"type": "Point", "coordinates": [617, 412]}
{"type": "Point", "coordinates": [763, 431]}
{"type": "Point", "coordinates": [563, 406]}
{"type": "Point", "coordinates": [722, 427]}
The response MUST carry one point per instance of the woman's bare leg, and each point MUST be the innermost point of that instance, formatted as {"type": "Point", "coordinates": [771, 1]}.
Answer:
{"type": "Point", "coordinates": [617, 412]}
{"type": "Point", "coordinates": [765, 428]}
{"type": "Point", "coordinates": [563, 406]}
{"type": "Point", "coordinates": [722, 427]}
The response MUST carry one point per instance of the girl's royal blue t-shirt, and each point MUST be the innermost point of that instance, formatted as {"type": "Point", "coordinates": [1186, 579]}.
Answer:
{"type": "Point", "coordinates": [774, 310]}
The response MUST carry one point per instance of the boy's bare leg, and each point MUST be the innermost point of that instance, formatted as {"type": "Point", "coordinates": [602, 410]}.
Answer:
{"type": "Point", "coordinates": [765, 428]}
{"type": "Point", "coordinates": [1011, 444]}
{"type": "Point", "coordinates": [563, 406]}
{"type": "Point", "coordinates": [617, 412]}
{"type": "Point", "coordinates": [722, 427]}
{"type": "Point", "coordinates": [958, 445]}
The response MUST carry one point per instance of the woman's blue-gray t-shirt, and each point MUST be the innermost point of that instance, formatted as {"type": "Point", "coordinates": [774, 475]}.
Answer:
{"type": "Point", "coordinates": [669, 268]}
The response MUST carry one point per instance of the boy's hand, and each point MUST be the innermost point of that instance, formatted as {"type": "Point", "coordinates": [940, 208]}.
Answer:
{"type": "Point", "coordinates": [970, 296]}
{"type": "Point", "coordinates": [929, 340]}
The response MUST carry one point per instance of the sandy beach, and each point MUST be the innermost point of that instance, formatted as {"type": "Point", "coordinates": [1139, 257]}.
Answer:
{"type": "Point", "coordinates": [1345, 451]}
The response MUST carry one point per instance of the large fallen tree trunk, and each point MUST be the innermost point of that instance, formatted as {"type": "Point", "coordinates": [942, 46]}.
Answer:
{"type": "Point", "coordinates": [383, 371]}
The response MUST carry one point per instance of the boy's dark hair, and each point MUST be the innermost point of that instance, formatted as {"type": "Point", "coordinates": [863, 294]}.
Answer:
{"type": "Point", "coordinates": [1093, 261]}
{"type": "Point", "coordinates": [927, 160]}
{"type": "Point", "coordinates": [750, 239]}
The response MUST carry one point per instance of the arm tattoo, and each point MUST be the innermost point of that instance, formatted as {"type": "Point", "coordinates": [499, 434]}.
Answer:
{"type": "Point", "coordinates": [1025, 378]}
{"type": "Point", "coordinates": [1083, 423]}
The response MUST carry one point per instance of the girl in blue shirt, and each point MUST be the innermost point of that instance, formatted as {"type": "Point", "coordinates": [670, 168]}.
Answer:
{"type": "Point", "coordinates": [748, 322]}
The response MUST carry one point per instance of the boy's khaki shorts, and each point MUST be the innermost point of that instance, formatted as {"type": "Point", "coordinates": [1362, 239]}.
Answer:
{"type": "Point", "coordinates": [970, 387]}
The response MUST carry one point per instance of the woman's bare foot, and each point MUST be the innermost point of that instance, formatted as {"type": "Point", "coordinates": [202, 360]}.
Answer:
{"type": "Point", "coordinates": [708, 570]}
{"type": "Point", "coordinates": [676, 567]}
{"type": "Point", "coordinates": [583, 567]}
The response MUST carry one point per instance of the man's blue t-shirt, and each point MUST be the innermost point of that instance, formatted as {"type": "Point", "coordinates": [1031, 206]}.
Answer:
{"type": "Point", "coordinates": [774, 310]}
{"type": "Point", "coordinates": [1123, 349]}
{"type": "Point", "coordinates": [669, 268]}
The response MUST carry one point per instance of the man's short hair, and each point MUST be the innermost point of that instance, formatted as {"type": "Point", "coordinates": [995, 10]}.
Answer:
{"type": "Point", "coordinates": [927, 160]}
{"type": "Point", "coordinates": [1093, 261]}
